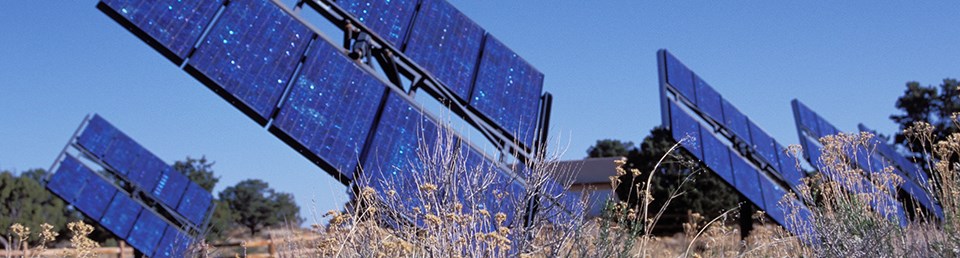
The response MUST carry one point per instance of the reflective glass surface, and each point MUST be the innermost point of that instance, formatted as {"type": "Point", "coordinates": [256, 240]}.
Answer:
{"type": "Point", "coordinates": [195, 203]}
{"type": "Point", "coordinates": [96, 136]}
{"type": "Point", "coordinates": [122, 153]}
{"type": "Point", "coordinates": [507, 90]}
{"type": "Point", "coordinates": [173, 244]}
{"type": "Point", "coordinates": [387, 18]}
{"type": "Point", "coordinates": [95, 195]}
{"type": "Point", "coordinates": [331, 107]}
{"type": "Point", "coordinates": [681, 126]}
{"type": "Point", "coordinates": [146, 232]}
{"type": "Point", "coordinates": [146, 172]}
{"type": "Point", "coordinates": [772, 195]}
{"type": "Point", "coordinates": [121, 215]}
{"type": "Point", "coordinates": [717, 155]}
{"type": "Point", "coordinates": [173, 25]}
{"type": "Point", "coordinates": [69, 179]}
{"type": "Point", "coordinates": [447, 44]}
{"type": "Point", "coordinates": [747, 180]}
{"type": "Point", "coordinates": [763, 144]}
{"type": "Point", "coordinates": [403, 135]}
{"type": "Point", "coordinates": [736, 121]}
{"type": "Point", "coordinates": [171, 186]}
{"type": "Point", "coordinates": [708, 100]}
{"type": "Point", "coordinates": [680, 77]}
{"type": "Point", "coordinates": [788, 166]}
{"type": "Point", "coordinates": [251, 53]}
{"type": "Point", "coordinates": [807, 118]}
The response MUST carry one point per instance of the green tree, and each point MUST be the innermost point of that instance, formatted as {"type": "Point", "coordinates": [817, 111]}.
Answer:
{"type": "Point", "coordinates": [703, 193]}
{"type": "Point", "coordinates": [24, 200]}
{"type": "Point", "coordinates": [257, 206]}
{"type": "Point", "coordinates": [199, 171]}
{"type": "Point", "coordinates": [610, 148]}
{"type": "Point", "coordinates": [930, 104]}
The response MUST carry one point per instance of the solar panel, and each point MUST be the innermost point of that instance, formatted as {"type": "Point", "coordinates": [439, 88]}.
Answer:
{"type": "Point", "coordinates": [447, 44]}
{"type": "Point", "coordinates": [170, 187]}
{"type": "Point", "coordinates": [788, 167]}
{"type": "Point", "coordinates": [250, 54]}
{"type": "Point", "coordinates": [120, 215]}
{"type": "Point", "coordinates": [68, 179]}
{"type": "Point", "coordinates": [914, 180]}
{"type": "Point", "coordinates": [330, 108]}
{"type": "Point", "coordinates": [122, 153]}
{"type": "Point", "coordinates": [195, 203]}
{"type": "Point", "coordinates": [146, 172]}
{"type": "Point", "coordinates": [773, 194]}
{"type": "Point", "coordinates": [504, 194]}
{"type": "Point", "coordinates": [717, 155]}
{"type": "Point", "coordinates": [680, 77]}
{"type": "Point", "coordinates": [173, 244]}
{"type": "Point", "coordinates": [95, 195]}
{"type": "Point", "coordinates": [763, 144]}
{"type": "Point", "coordinates": [398, 139]}
{"type": "Point", "coordinates": [736, 121]}
{"type": "Point", "coordinates": [96, 136]}
{"type": "Point", "coordinates": [388, 18]}
{"type": "Point", "coordinates": [806, 118]}
{"type": "Point", "coordinates": [708, 100]}
{"type": "Point", "coordinates": [507, 90]}
{"type": "Point", "coordinates": [171, 27]}
{"type": "Point", "coordinates": [146, 232]}
{"type": "Point", "coordinates": [681, 126]}
{"type": "Point", "coordinates": [747, 180]}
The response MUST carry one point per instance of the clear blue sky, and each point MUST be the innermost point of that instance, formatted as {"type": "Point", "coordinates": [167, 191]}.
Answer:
{"type": "Point", "coordinates": [847, 60]}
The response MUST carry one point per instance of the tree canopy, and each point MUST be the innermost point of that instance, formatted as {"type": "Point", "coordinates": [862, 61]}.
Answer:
{"type": "Point", "coordinates": [257, 206]}
{"type": "Point", "coordinates": [24, 200]}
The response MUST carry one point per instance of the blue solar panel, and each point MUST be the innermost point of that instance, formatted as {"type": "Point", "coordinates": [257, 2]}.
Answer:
{"type": "Point", "coordinates": [195, 203]}
{"type": "Point", "coordinates": [122, 153]}
{"type": "Point", "coordinates": [800, 222]}
{"type": "Point", "coordinates": [69, 179]}
{"type": "Point", "coordinates": [717, 155]}
{"type": "Point", "coordinates": [772, 195]}
{"type": "Point", "coordinates": [331, 107]}
{"type": "Point", "coordinates": [120, 215]}
{"type": "Point", "coordinates": [447, 44]}
{"type": "Point", "coordinates": [806, 117]}
{"type": "Point", "coordinates": [95, 196]}
{"type": "Point", "coordinates": [764, 145]}
{"type": "Point", "coordinates": [747, 181]}
{"type": "Point", "coordinates": [736, 121]}
{"type": "Point", "coordinates": [788, 167]}
{"type": "Point", "coordinates": [508, 90]}
{"type": "Point", "coordinates": [146, 232]}
{"type": "Point", "coordinates": [680, 77]}
{"type": "Point", "coordinates": [402, 131]}
{"type": "Point", "coordinates": [96, 136]}
{"type": "Point", "coordinates": [387, 18]}
{"type": "Point", "coordinates": [170, 187]}
{"type": "Point", "coordinates": [708, 100]}
{"type": "Point", "coordinates": [504, 193]}
{"type": "Point", "coordinates": [825, 127]}
{"type": "Point", "coordinates": [250, 53]}
{"type": "Point", "coordinates": [146, 172]}
{"type": "Point", "coordinates": [682, 125]}
{"type": "Point", "coordinates": [173, 244]}
{"type": "Point", "coordinates": [170, 26]}
{"type": "Point", "coordinates": [811, 150]}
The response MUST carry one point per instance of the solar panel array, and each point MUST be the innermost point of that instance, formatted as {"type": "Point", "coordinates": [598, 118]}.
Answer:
{"type": "Point", "coordinates": [811, 127]}
{"type": "Point", "coordinates": [732, 146]}
{"type": "Point", "coordinates": [915, 181]}
{"type": "Point", "coordinates": [132, 192]}
{"type": "Point", "coordinates": [273, 66]}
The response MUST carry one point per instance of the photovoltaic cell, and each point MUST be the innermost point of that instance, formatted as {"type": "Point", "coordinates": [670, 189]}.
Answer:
{"type": "Point", "coordinates": [96, 136]}
{"type": "Point", "coordinates": [146, 232]}
{"type": "Point", "coordinates": [331, 107]}
{"type": "Point", "coordinates": [826, 128]}
{"type": "Point", "coordinates": [764, 145]}
{"type": "Point", "coordinates": [505, 194]}
{"type": "Point", "coordinates": [680, 77]}
{"type": "Point", "coordinates": [736, 121]}
{"type": "Point", "coordinates": [146, 172]}
{"type": "Point", "coordinates": [717, 156]}
{"type": "Point", "coordinates": [195, 203]}
{"type": "Point", "coordinates": [772, 195]}
{"type": "Point", "coordinates": [170, 26]}
{"type": "Point", "coordinates": [121, 215]}
{"type": "Point", "coordinates": [170, 187]}
{"type": "Point", "coordinates": [402, 131]}
{"type": "Point", "coordinates": [387, 18]}
{"type": "Point", "coordinates": [806, 117]}
{"type": "Point", "coordinates": [173, 244]}
{"type": "Point", "coordinates": [708, 100]}
{"type": "Point", "coordinates": [447, 44]}
{"type": "Point", "coordinates": [507, 90]}
{"type": "Point", "coordinates": [747, 180]}
{"type": "Point", "coordinates": [250, 53]}
{"type": "Point", "coordinates": [681, 126]}
{"type": "Point", "coordinates": [95, 195]}
{"type": "Point", "coordinates": [788, 167]}
{"type": "Point", "coordinates": [122, 153]}
{"type": "Point", "coordinates": [69, 179]}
